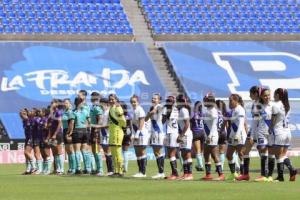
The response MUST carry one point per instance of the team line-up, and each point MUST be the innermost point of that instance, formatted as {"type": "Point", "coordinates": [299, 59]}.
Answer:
{"type": "Point", "coordinates": [108, 127]}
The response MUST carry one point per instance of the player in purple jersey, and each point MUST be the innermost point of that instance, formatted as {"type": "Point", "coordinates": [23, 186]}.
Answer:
{"type": "Point", "coordinates": [37, 139]}
{"type": "Point", "coordinates": [198, 134]}
{"type": "Point", "coordinates": [127, 136]}
{"type": "Point", "coordinates": [55, 136]}
{"type": "Point", "coordinates": [222, 129]}
{"type": "Point", "coordinates": [27, 117]}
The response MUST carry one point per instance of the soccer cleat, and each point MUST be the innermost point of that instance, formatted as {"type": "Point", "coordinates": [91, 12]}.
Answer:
{"type": "Point", "coordinates": [208, 177]}
{"type": "Point", "coordinates": [172, 177]}
{"type": "Point", "coordinates": [100, 174]}
{"type": "Point", "coordinates": [181, 177]}
{"type": "Point", "coordinates": [244, 177]}
{"type": "Point", "coordinates": [26, 173]}
{"type": "Point", "coordinates": [34, 171]}
{"type": "Point", "coordinates": [261, 179]}
{"type": "Point", "coordinates": [59, 173]}
{"type": "Point", "coordinates": [278, 179]}
{"type": "Point", "coordinates": [232, 177]}
{"type": "Point", "coordinates": [199, 169]}
{"type": "Point", "coordinates": [159, 176]}
{"type": "Point", "coordinates": [78, 172]}
{"type": "Point", "coordinates": [220, 178]}
{"type": "Point", "coordinates": [293, 175]}
{"type": "Point", "coordinates": [270, 179]}
{"type": "Point", "coordinates": [139, 175]}
{"type": "Point", "coordinates": [188, 177]}
{"type": "Point", "coordinates": [109, 173]}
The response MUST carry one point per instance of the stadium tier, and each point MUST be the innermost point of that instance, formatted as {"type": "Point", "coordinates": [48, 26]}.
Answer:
{"type": "Point", "coordinates": [222, 16]}
{"type": "Point", "coordinates": [82, 17]}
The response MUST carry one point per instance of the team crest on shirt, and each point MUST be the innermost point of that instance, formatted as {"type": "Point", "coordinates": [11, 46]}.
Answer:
{"type": "Point", "coordinates": [271, 69]}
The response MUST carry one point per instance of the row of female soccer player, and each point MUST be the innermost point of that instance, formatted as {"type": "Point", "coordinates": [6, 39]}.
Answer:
{"type": "Point", "coordinates": [113, 128]}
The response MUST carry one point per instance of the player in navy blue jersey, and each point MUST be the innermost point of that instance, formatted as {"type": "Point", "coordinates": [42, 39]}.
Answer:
{"type": "Point", "coordinates": [282, 133]}
{"type": "Point", "coordinates": [55, 136]}
{"type": "Point", "coordinates": [198, 134]}
{"type": "Point", "coordinates": [27, 119]}
{"type": "Point", "coordinates": [127, 136]}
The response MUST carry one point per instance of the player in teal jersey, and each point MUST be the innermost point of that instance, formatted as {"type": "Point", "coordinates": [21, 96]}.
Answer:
{"type": "Point", "coordinates": [96, 113]}
{"type": "Point", "coordinates": [67, 114]}
{"type": "Point", "coordinates": [80, 136]}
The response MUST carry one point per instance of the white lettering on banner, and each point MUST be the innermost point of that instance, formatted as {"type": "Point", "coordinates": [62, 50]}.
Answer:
{"type": "Point", "coordinates": [4, 146]}
{"type": "Point", "coordinates": [111, 79]}
{"type": "Point", "coordinates": [259, 66]}
{"type": "Point", "coordinates": [21, 146]}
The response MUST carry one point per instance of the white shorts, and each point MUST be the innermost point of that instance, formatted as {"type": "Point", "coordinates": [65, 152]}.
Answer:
{"type": "Point", "coordinates": [271, 140]}
{"type": "Point", "coordinates": [238, 140]}
{"type": "Point", "coordinates": [157, 139]}
{"type": "Point", "coordinates": [104, 137]}
{"type": "Point", "coordinates": [262, 141]}
{"type": "Point", "coordinates": [187, 141]}
{"type": "Point", "coordinates": [212, 140]}
{"type": "Point", "coordinates": [283, 140]}
{"type": "Point", "coordinates": [171, 140]}
{"type": "Point", "coordinates": [142, 140]}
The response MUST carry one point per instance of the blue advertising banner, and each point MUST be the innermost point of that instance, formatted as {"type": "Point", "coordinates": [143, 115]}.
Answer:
{"type": "Point", "coordinates": [32, 73]}
{"type": "Point", "coordinates": [233, 67]}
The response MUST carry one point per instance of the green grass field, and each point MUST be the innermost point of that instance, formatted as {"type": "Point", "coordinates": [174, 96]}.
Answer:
{"type": "Point", "coordinates": [16, 186]}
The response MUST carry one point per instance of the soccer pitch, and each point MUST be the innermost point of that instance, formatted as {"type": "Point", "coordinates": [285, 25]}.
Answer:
{"type": "Point", "coordinates": [37, 187]}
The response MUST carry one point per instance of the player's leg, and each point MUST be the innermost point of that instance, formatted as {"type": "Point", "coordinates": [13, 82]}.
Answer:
{"type": "Point", "coordinates": [38, 158]}
{"type": "Point", "coordinates": [207, 152]}
{"type": "Point", "coordinates": [199, 154]}
{"type": "Point", "coordinates": [214, 149]}
{"type": "Point", "coordinates": [231, 162]}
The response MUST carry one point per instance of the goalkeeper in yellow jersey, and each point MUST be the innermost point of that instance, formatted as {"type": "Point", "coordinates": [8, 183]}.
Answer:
{"type": "Point", "coordinates": [117, 122]}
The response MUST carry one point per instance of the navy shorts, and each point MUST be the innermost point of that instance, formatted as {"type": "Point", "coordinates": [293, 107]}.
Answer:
{"type": "Point", "coordinates": [222, 139]}
{"type": "Point", "coordinates": [199, 136]}
{"type": "Point", "coordinates": [80, 136]}
{"type": "Point", "coordinates": [65, 137]}
{"type": "Point", "coordinates": [95, 136]}
{"type": "Point", "coordinates": [126, 140]}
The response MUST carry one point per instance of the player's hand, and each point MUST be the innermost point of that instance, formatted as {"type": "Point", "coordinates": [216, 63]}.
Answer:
{"type": "Point", "coordinates": [180, 139]}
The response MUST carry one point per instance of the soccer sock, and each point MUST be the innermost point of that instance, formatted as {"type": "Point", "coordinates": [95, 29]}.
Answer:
{"type": "Point", "coordinates": [199, 158]}
{"type": "Point", "coordinates": [109, 163]}
{"type": "Point", "coordinates": [49, 165]}
{"type": "Point", "coordinates": [190, 166]}
{"type": "Point", "coordinates": [173, 164]}
{"type": "Point", "coordinates": [57, 163]}
{"type": "Point", "coordinates": [138, 160]}
{"type": "Point", "coordinates": [246, 164]}
{"type": "Point", "coordinates": [126, 158]}
{"type": "Point", "coordinates": [160, 163]}
{"type": "Point", "coordinates": [77, 160]}
{"type": "Point", "coordinates": [87, 161]}
{"type": "Point", "coordinates": [236, 159]}
{"type": "Point", "coordinates": [263, 164]}
{"type": "Point", "coordinates": [231, 164]}
{"type": "Point", "coordinates": [93, 161]}
{"type": "Point", "coordinates": [271, 165]}
{"type": "Point", "coordinates": [28, 166]}
{"type": "Point", "coordinates": [280, 168]}
{"type": "Point", "coordinates": [98, 161]}
{"type": "Point", "coordinates": [73, 162]}
{"type": "Point", "coordinates": [222, 159]}
{"type": "Point", "coordinates": [185, 167]}
{"type": "Point", "coordinates": [119, 160]}
{"type": "Point", "coordinates": [288, 163]}
{"type": "Point", "coordinates": [62, 162]}
{"type": "Point", "coordinates": [208, 168]}
{"type": "Point", "coordinates": [32, 164]}
{"type": "Point", "coordinates": [44, 166]}
{"type": "Point", "coordinates": [69, 162]}
{"type": "Point", "coordinates": [143, 164]}
{"type": "Point", "coordinates": [219, 168]}
{"type": "Point", "coordinates": [39, 164]}
{"type": "Point", "coordinates": [242, 167]}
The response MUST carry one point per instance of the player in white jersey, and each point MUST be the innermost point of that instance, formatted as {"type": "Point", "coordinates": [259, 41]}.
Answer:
{"type": "Point", "coordinates": [185, 137]}
{"type": "Point", "coordinates": [237, 133]}
{"type": "Point", "coordinates": [157, 134]}
{"type": "Point", "coordinates": [264, 139]}
{"type": "Point", "coordinates": [170, 118]}
{"type": "Point", "coordinates": [252, 134]}
{"type": "Point", "coordinates": [140, 136]}
{"type": "Point", "coordinates": [104, 136]}
{"type": "Point", "coordinates": [282, 133]}
{"type": "Point", "coordinates": [211, 149]}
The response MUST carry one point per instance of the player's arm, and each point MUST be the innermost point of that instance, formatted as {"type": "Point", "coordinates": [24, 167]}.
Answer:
{"type": "Point", "coordinates": [150, 113]}
{"type": "Point", "coordinates": [58, 128]}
